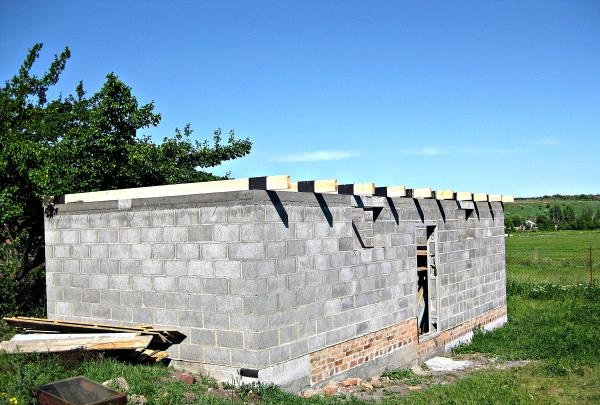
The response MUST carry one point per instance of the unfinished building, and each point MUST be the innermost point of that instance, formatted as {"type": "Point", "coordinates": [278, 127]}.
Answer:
{"type": "Point", "coordinates": [287, 283]}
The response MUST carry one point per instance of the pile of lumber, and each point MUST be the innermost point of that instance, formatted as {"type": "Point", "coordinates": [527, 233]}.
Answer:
{"type": "Point", "coordinates": [142, 342]}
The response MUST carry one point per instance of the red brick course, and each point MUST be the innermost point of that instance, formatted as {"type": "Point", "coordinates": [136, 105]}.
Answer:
{"type": "Point", "coordinates": [344, 356]}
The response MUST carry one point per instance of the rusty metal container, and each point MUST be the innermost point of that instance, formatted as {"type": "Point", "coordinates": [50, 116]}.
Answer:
{"type": "Point", "coordinates": [78, 391]}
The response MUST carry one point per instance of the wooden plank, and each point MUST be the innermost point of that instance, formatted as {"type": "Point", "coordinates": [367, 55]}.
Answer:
{"type": "Point", "coordinates": [293, 186]}
{"type": "Point", "coordinates": [422, 193]}
{"type": "Point", "coordinates": [60, 345]}
{"type": "Point", "coordinates": [464, 196]}
{"type": "Point", "coordinates": [160, 335]}
{"type": "Point", "coordinates": [445, 194]}
{"type": "Point", "coordinates": [357, 189]}
{"type": "Point", "coordinates": [51, 336]}
{"type": "Point", "coordinates": [495, 197]}
{"type": "Point", "coordinates": [318, 186]}
{"type": "Point", "coordinates": [390, 191]}
{"type": "Point", "coordinates": [507, 198]}
{"type": "Point", "coordinates": [255, 183]}
{"type": "Point", "coordinates": [480, 197]}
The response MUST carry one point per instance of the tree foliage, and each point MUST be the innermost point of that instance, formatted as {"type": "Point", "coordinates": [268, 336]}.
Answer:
{"type": "Point", "coordinates": [79, 143]}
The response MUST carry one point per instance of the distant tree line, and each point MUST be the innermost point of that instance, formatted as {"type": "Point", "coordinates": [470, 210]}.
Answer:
{"type": "Point", "coordinates": [575, 197]}
{"type": "Point", "coordinates": [558, 217]}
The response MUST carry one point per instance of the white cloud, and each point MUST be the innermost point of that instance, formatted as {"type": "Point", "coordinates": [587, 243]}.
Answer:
{"type": "Point", "coordinates": [546, 141]}
{"type": "Point", "coordinates": [318, 156]}
{"type": "Point", "coordinates": [429, 151]}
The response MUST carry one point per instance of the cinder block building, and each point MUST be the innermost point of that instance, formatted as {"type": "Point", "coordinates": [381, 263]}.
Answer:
{"type": "Point", "coordinates": [287, 283]}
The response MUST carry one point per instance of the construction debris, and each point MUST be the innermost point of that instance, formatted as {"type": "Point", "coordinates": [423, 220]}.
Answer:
{"type": "Point", "coordinates": [142, 343]}
{"type": "Point", "coordinates": [98, 342]}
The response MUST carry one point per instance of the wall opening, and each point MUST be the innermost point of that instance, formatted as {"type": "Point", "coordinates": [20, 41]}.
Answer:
{"type": "Point", "coordinates": [427, 288]}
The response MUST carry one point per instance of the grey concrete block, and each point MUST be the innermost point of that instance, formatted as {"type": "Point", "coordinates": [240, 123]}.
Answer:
{"type": "Point", "coordinates": [177, 301]}
{"type": "Point", "coordinates": [165, 317]}
{"type": "Point", "coordinates": [261, 340]}
{"type": "Point", "coordinates": [165, 284]}
{"type": "Point", "coordinates": [80, 251]}
{"type": "Point", "coordinates": [203, 302]}
{"type": "Point", "coordinates": [141, 251]}
{"type": "Point", "coordinates": [206, 337]}
{"type": "Point", "coordinates": [99, 251]}
{"type": "Point", "coordinates": [151, 234]}
{"type": "Point", "coordinates": [228, 304]}
{"type": "Point", "coordinates": [62, 251]}
{"type": "Point", "coordinates": [295, 247]}
{"type": "Point", "coordinates": [101, 311]}
{"type": "Point", "coordinates": [119, 251]}
{"type": "Point", "coordinates": [243, 287]}
{"type": "Point", "coordinates": [153, 299]}
{"type": "Point", "coordinates": [286, 265]}
{"type": "Point", "coordinates": [108, 235]}
{"type": "Point", "coordinates": [190, 318]}
{"type": "Point", "coordinates": [142, 283]}
{"type": "Point", "coordinates": [99, 281]}
{"type": "Point", "coordinates": [230, 339]}
{"type": "Point", "coordinates": [216, 321]}
{"type": "Point", "coordinates": [129, 266]}
{"type": "Point", "coordinates": [227, 269]}
{"type": "Point", "coordinates": [217, 355]}
{"type": "Point", "coordinates": [226, 232]}
{"type": "Point", "coordinates": [71, 266]}
{"type": "Point", "coordinates": [214, 251]}
{"type": "Point", "coordinates": [189, 216]}
{"type": "Point", "coordinates": [190, 285]}
{"type": "Point", "coordinates": [72, 294]}
{"type": "Point", "coordinates": [246, 213]}
{"type": "Point", "coordinates": [246, 250]}
{"type": "Point", "coordinates": [143, 315]}
{"type": "Point", "coordinates": [175, 234]}
{"type": "Point", "coordinates": [80, 280]}
{"type": "Point", "coordinates": [69, 237]}
{"type": "Point", "coordinates": [163, 251]}
{"type": "Point", "coordinates": [160, 218]}
{"type": "Point", "coordinates": [200, 233]}
{"type": "Point", "coordinates": [200, 268]}
{"type": "Point", "coordinates": [152, 266]}
{"type": "Point", "coordinates": [276, 250]}
{"type": "Point", "coordinates": [175, 267]}
{"type": "Point", "coordinates": [129, 235]}
{"type": "Point", "coordinates": [187, 251]}
{"type": "Point", "coordinates": [119, 282]}
{"type": "Point", "coordinates": [215, 285]}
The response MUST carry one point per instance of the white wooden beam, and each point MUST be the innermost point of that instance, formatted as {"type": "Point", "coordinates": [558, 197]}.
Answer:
{"type": "Point", "coordinates": [254, 183]}
{"type": "Point", "coordinates": [357, 189]}
{"type": "Point", "coordinates": [464, 196]}
{"type": "Point", "coordinates": [318, 186]}
{"type": "Point", "coordinates": [422, 193]}
{"type": "Point", "coordinates": [445, 194]}
{"type": "Point", "coordinates": [480, 197]}
{"type": "Point", "coordinates": [390, 191]}
{"type": "Point", "coordinates": [507, 198]}
{"type": "Point", "coordinates": [495, 197]}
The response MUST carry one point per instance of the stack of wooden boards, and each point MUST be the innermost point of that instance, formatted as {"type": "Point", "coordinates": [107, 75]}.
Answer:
{"type": "Point", "coordinates": [142, 342]}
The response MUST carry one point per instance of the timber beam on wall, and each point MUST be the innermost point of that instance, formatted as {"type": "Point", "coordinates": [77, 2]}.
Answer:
{"type": "Point", "coordinates": [390, 191]}
{"type": "Point", "coordinates": [507, 198]}
{"type": "Point", "coordinates": [464, 196]}
{"type": "Point", "coordinates": [318, 186]}
{"type": "Point", "coordinates": [425, 192]}
{"type": "Point", "coordinates": [480, 197]}
{"type": "Point", "coordinates": [357, 189]}
{"type": "Point", "coordinates": [253, 183]}
{"type": "Point", "coordinates": [445, 195]}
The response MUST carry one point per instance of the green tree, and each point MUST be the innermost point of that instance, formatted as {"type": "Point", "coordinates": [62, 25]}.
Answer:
{"type": "Point", "coordinates": [556, 215]}
{"type": "Point", "coordinates": [78, 143]}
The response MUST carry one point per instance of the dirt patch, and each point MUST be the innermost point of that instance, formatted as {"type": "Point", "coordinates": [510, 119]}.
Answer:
{"type": "Point", "coordinates": [415, 378]}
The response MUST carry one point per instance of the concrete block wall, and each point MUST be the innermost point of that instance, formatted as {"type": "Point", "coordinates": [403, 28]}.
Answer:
{"type": "Point", "coordinates": [255, 279]}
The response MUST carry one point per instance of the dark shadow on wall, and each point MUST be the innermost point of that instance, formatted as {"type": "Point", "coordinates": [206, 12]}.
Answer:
{"type": "Point", "coordinates": [419, 210]}
{"type": "Point", "coordinates": [441, 208]}
{"type": "Point", "coordinates": [393, 210]}
{"type": "Point", "coordinates": [491, 210]}
{"type": "Point", "coordinates": [362, 243]}
{"type": "Point", "coordinates": [475, 205]}
{"type": "Point", "coordinates": [279, 207]}
{"type": "Point", "coordinates": [324, 208]}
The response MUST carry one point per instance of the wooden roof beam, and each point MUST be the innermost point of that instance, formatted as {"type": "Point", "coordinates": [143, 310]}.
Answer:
{"type": "Point", "coordinates": [253, 183]}
{"type": "Point", "coordinates": [390, 191]}
{"type": "Point", "coordinates": [357, 189]}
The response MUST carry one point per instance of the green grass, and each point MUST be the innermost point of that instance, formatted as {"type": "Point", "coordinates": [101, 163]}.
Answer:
{"type": "Point", "coordinates": [552, 257]}
{"type": "Point", "coordinates": [404, 375]}
{"type": "Point", "coordinates": [533, 208]}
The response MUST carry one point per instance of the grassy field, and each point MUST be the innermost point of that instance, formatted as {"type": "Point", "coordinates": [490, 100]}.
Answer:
{"type": "Point", "coordinates": [532, 208]}
{"type": "Point", "coordinates": [552, 257]}
{"type": "Point", "coordinates": [557, 327]}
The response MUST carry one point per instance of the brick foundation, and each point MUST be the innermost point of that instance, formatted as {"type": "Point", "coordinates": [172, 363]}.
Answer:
{"type": "Point", "coordinates": [452, 334]}
{"type": "Point", "coordinates": [344, 356]}
{"type": "Point", "coordinates": [352, 353]}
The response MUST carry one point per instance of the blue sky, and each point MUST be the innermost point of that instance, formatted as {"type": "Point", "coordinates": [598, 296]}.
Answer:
{"type": "Point", "coordinates": [498, 97]}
